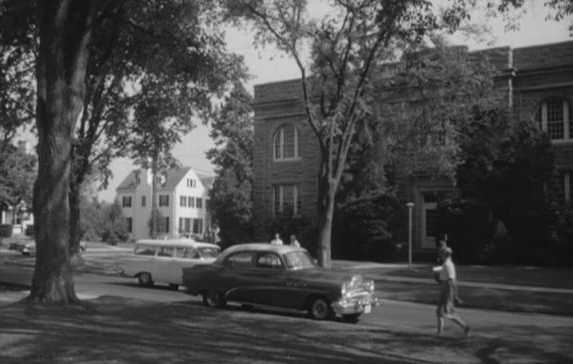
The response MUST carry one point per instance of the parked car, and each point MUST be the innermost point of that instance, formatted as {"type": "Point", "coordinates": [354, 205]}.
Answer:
{"type": "Point", "coordinates": [162, 260]}
{"type": "Point", "coordinates": [280, 276]}
{"type": "Point", "coordinates": [29, 249]}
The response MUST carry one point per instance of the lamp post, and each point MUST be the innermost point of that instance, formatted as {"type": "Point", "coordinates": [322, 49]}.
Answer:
{"type": "Point", "coordinates": [410, 205]}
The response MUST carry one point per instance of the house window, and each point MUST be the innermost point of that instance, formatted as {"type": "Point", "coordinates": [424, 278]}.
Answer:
{"type": "Point", "coordinates": [163, 225]}
{"type": "Point", "coordinates": [563, 185]}
{"type": "Point", "coordinates": [129, 224]}
{"type": "Point", "coordinates": [285, 143]}
{"type": "Point", "coordinates": [163, 200]}
{"type": "Point", "coordinates": [554, 116]}
{"type": "Point", "coordinates": [199, 203]}
{"type": "Point", "coordinates": [286, 200]}
{"type": "Point", "coordinates": [184, 225]}
{"type": "Point", "coordinates": [197, 226]}
{"type": "Point", "coordinates": [190, 201]}
{"type": "Point", "coordinates": [183, 201]}
{"type": "Point", "coordinates": [191, 182]}
{"type": "Point", "coordinates": [126, 201]}
{"type": "Point", "coordinates": [143, 201]}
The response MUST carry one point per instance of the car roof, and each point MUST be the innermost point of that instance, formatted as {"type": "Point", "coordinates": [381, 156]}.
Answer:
{"type": "Point", "coordinates": [259, 247]}
{"type": "Point", "coordinates": [182, 243]}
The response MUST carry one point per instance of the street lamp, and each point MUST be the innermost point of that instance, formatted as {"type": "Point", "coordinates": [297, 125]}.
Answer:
{"type": "Point", "coordinates": [410, 205]}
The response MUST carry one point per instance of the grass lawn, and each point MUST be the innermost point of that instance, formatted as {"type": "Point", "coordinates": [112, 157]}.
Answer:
{"type": "Point", "coordinates": [115, 330]}
{"type": "Point", "coordinates": [513, 275]}
{"type": "Point", "coordinates": [485, 298]}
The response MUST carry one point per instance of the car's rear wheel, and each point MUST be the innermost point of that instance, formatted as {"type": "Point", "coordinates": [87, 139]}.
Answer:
{"type": "Point", "coordinates": [352, 318]}
{"type": "Point", "coordinates": [145, 279]}
{"type": "Point", "coordinates": [213, 298]}
{"type": "Point", "coordinates": [319, 308]}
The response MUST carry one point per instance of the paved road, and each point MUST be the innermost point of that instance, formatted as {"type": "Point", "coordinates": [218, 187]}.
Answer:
{"type": "Point", "coordinates": [406, 315]}
{"type": "Point", "coordinates": [502, 331]}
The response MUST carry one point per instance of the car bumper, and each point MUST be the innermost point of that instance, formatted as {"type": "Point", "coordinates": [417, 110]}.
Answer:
{"type": "Point", "coordinates": [349, 306]}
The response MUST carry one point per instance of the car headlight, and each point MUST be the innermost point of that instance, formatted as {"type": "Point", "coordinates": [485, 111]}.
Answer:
{"type": "Point", "coordinates": [369, 285]}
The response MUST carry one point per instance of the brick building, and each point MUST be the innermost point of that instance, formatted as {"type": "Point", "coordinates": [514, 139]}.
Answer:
{"type": "Point", "coordinates": [537, 82]}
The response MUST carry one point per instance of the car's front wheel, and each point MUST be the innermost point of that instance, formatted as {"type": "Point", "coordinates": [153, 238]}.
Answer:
{"type": "Point", "coordinates": [319, 308]}
{"type": "Point", "coordinates": [145, 279]}
{"type": "Point", "coordinates": [213, 298]}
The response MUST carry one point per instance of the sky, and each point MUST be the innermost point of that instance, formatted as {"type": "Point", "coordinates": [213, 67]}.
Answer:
{"type": "Point", "coordinates": [268, 65]}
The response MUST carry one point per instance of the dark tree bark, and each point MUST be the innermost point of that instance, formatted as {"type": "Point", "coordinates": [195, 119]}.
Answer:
{"type": "Point", "coordinates": [326, 196]}
{"type": "Point", "coordinates": [74, 202]}
{"type": "Point", "coordinates": [65, 31]}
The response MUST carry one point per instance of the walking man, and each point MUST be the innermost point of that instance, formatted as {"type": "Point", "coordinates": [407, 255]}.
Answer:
{"type": "Point", "coordinates": [446, 306]}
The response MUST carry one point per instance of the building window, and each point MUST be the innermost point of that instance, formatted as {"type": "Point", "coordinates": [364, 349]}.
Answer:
{"type": "Point", "coordinates": [554, 116]}
{"type": "Point", "coordinates": [184, 225]}
{"type": "Point", "coordinates": [286, 200]}
{"type": "Point", "coordinates": [163, 200]}
{"type": "Point", "coordinates": [199, 203]}
{"type": "Point", "coordinates": [183, 201]}
{"type": "Point", "coordinates": [197, 226]}
{"type": "Point", "coordinates": [163, 225]}
{"type": "Point", "coordinates": [126, 201]}
{"type": "Point", "coordinates": [190, 201]}
{"type": "Point", "coordinates": [143, 201]}
{"type": "Point", "coordinates": [285, 143]}
{"type": "Point", "coordinates": [562, 186]}
{"type": "Point", "coordinates": [191, 182]}
{"type": "Point", "coordinates": [129, 223]}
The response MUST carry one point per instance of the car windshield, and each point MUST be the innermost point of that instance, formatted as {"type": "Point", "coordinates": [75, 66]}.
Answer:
{"type": "Point", "coordinates": [208, 252]}
{"type": "Point", "coordinates": [299, 260]}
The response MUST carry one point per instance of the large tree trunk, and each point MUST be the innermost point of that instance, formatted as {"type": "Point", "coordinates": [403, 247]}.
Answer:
{"type": "Point", "coordinates": [154, 205]}
{"type": "Point", "coordinates": [75, 227]}
{"type": "Point", "coordinates": [61, 69]}
{"type": "Point", "coordinates": [326, 199]}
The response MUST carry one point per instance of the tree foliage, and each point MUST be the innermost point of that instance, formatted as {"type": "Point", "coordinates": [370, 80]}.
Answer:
{"type": "Point", "coordinates": [83, 45]}
{"type": "Point", "coordinates": [345, 49]}
{"type": "Point", "coordinates": [504, 211]}
{"type": "Point", "coordinates": [231, 195]}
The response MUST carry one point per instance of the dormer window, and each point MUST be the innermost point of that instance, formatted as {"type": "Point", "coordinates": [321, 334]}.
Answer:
{"type": "Point", "coordinates": [285, 143]}
{"type": "Point", "coordinates": [554, 116]}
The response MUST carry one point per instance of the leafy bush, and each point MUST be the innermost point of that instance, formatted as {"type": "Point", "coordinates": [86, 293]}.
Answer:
{"type": "Point", "coordinates": [102, 221]}
{"type": "Point", "coordinates": [5, 231]}
{"type": "Point", "coordinates": [113, 225]}
{"type": "Point", "coordinates": [30, 230]}
{"type": "Point", "coordinates": [370, 229]}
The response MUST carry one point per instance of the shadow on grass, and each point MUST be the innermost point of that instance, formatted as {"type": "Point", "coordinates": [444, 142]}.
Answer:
{"type": "Point", "coordinates": [117, 330]}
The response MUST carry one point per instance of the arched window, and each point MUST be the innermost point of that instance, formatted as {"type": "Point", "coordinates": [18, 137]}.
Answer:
{"type": "Point", "coordinates": [554, 116]}
{"type": "Point", "coordinates": [285, 143]}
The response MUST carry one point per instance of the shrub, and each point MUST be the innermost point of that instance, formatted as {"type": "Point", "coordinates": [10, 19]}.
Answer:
{"type": "Point", "coordinates": [5, 231]}
{"type": "Point", "coordinates": [29, 231]}
{"type": "Point", "coordinates": [370, 229]}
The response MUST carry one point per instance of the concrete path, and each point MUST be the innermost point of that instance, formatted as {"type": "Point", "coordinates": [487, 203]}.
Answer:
{"type": "Point", "coordinates": [369, 269]}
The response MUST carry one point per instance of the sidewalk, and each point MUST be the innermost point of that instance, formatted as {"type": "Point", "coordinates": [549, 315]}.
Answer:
{"type": "Point", "coordinates": [372, 270]}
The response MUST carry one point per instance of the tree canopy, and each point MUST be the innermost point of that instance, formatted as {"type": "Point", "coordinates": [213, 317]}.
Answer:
{"type": "Point", "coordinates": [337, 88]}
{"type": "Point", "coordinates": [230, 198]}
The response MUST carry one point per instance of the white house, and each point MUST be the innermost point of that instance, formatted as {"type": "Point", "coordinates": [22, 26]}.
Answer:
{"type": "Point", "coordinates": [182, 196]}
